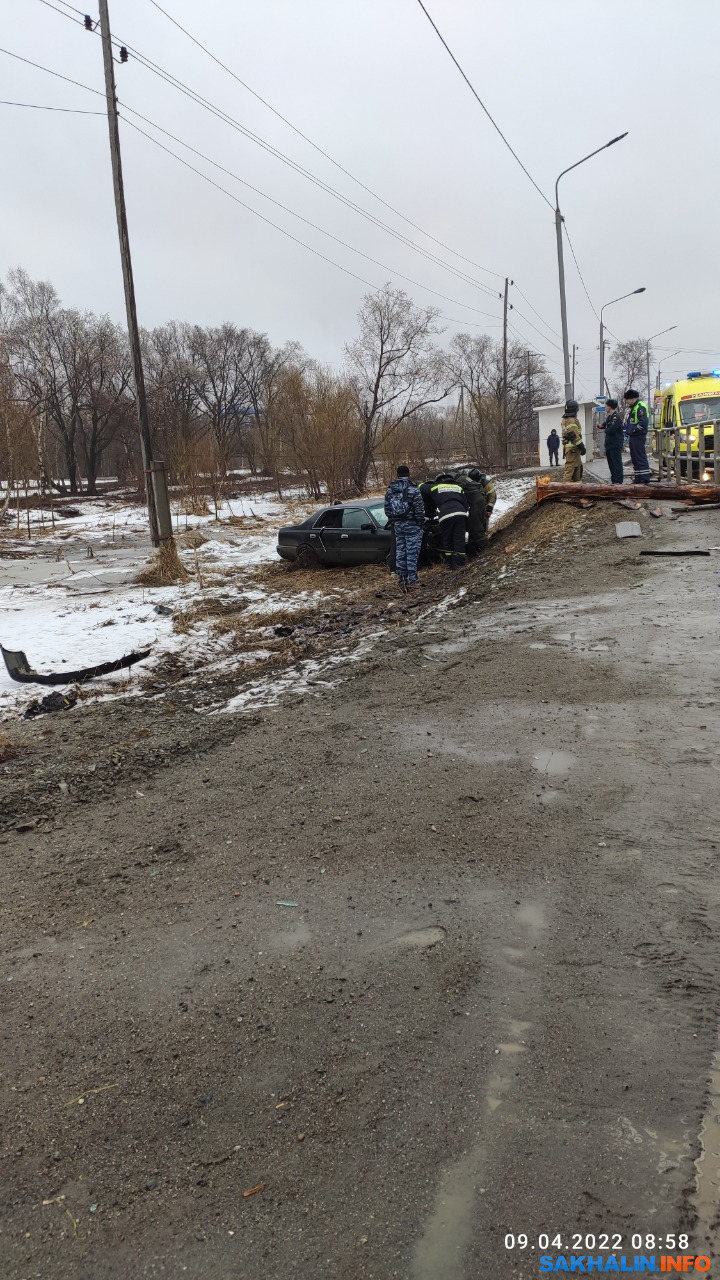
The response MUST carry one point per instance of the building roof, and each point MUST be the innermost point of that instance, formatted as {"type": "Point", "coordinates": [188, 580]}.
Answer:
{"type": "Point", "coordinates": [581, 403]}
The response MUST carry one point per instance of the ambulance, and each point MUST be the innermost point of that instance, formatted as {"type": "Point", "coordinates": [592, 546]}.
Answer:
{"type": "Point", "coordinates": [692, 408]}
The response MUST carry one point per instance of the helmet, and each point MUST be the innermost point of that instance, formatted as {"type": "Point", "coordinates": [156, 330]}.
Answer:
{"type": "Point", "coordinates": [444, 475]}
{"type": "Point", "coordinates": [475, 474]}
{"type": "Point", "coordinates": [571, 406]}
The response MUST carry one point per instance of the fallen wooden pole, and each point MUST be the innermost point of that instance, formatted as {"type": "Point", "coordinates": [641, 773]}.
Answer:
{"type": "Point", "coordinates": [701, 493]}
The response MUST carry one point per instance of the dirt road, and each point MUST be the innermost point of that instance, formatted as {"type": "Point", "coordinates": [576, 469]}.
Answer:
{"type": "Point", "coordinates": [422, 960]}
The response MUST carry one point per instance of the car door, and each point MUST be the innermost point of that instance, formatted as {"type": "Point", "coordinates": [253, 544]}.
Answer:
{"type": "Point", "coordinates": [383, 534]}
{"type": "Point", "coordinates": [325, 536]}
{"type": "Point", "coordinates": [358, 537]}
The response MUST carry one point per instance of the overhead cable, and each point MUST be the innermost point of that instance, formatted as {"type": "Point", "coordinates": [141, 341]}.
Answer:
{"type": "Point", "coordinates": [476, 95]}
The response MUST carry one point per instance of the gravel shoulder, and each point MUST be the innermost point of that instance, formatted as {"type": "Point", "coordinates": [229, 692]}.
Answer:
{"type": "Point", "coordinates": [493, 1008]}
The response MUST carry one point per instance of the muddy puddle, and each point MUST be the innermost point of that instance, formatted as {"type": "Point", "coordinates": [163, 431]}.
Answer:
{"type": "Point", "coordinates": [553, 763]}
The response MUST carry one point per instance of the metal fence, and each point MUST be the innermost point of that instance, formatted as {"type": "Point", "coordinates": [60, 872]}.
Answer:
{"type": "Point", "coordinates": [666, 448]}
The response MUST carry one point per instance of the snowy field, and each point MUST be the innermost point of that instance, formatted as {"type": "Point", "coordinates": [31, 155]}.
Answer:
{"type": "Point", "coordinates": [68, 595]}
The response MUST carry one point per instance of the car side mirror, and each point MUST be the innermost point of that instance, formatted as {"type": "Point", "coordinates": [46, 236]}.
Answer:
{"type": "Point", "coordinates": [366, 528]}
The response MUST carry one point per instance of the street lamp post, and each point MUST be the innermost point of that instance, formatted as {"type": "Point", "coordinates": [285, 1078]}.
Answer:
{"type": "Point", "coordinates": [561, 264]}
{"type": "Point", "coordinates": [670, 357]}
{"type": "Point", "coordinates": [622, 298]}
{"type": "Point", "coordinates": [647, 356]}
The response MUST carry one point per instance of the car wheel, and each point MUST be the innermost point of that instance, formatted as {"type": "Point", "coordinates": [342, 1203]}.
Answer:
{"type": "Point", "coordinates": [307, 557]}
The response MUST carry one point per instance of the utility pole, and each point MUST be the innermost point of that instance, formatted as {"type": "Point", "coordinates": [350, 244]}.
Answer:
{"type": "Point", "coordinates": [573, 370]}
{"type": "Point", "coordinates": [155, 478]}
{"type": "Point", "coordinates": [530, 394]}
{"type": "Point", "coordinates": [462, 417]}
{"type": "Point", "coordinates": [563, 301]}
{"type": "Point", "coordinates": [505, 379]}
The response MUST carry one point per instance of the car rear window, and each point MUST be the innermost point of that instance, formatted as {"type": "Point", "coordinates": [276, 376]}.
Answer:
{"type": "Point", "coordinates": [330, 519]}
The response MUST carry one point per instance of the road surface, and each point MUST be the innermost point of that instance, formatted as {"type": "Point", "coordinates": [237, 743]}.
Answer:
{"type": "Point", "coordinates": [357, 986]}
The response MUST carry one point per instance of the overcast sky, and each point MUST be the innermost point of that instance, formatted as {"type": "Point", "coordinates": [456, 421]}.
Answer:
{"type": "Point", "coordinates": [369, 82]}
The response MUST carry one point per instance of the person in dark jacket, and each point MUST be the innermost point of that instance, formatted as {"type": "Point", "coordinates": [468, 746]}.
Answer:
{"type": "Point", "coordinates": [481, 495]}
{"type": "Point", "coordinates": [636, 425]}
{"type": "Point", "coordinates": [553, 444]}
{"type": "Point", "coordinates": [405, 511]}
{"type": "Point", "coordinates": [449, 500]}
{"type": "Point", "coordinates": [614, 433]}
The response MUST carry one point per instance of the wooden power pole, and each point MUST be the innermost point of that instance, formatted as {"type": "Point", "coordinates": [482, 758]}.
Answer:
{"type": "Point", "coordinates": [462, 420]}
{"type": "Point", "coordinates": [155, 479]}
{"type": "Point", "coordinates": [505, 441]}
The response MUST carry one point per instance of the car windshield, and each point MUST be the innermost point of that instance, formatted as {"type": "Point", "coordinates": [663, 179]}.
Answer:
{"type": "Point", "coordinates": [694, 412]}
{"type": "Point", "coordinates": [378, 515]}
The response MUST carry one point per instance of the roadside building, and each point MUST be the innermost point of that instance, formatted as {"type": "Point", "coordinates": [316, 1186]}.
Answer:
{"type": "Point", "coordinates": [550, 415]}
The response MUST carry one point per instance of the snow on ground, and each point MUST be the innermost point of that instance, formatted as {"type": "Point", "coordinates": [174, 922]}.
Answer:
{"type": "Point", "coordinates": [510, 492]}
{"type": "Point", "coordinates": [64, 608]}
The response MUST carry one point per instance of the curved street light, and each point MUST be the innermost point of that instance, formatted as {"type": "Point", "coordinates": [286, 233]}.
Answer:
{"type": "Point", "coordinates": [647, 356]}
{"type": "Point", "coordinates": [561, 264]}
{"type": "Point", "coordinates": [622, 298]}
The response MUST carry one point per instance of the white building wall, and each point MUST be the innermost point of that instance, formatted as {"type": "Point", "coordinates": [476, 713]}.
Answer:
{"type": "Point", "coordinates": [550, 415]}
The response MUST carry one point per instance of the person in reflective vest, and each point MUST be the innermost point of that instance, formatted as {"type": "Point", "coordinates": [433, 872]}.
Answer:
{"type": "Point", "coordinates": [572, 441]}
{"type": "Point", "coordinates": [449, 500]}
{"type": "Point", "coordinates": [636, 426]}
{"type": "Point", "coordinates": [481, 495]}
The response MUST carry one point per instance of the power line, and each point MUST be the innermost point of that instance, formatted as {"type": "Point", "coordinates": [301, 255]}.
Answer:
{"type": "Point", "coordinates": [282, 230]}
{"type": "Point", "coordinates": [577, 264]}
{"type": "Point", "coordinates": [534, 326]}
{"type": "Point", "coordinates": [476, 95]}
{"type": "Point", "coordinates": [535, 311]}
{"type": "Point", "coordinates": [39, 106]}
{"type": "Point", "coordinates": [540, 354]}
{"type": "Point", "coordinates": [409, 279]}
{"type": "Point", "coordinates": [38, 66]}
{"type": "Point", "coordinates": [226, 118]}
{"type": "Point", "coordinates": [316, 146]}
{"type": "Point", "coordinates": [176, 83]}
{"type": "Point", "coordinates": [286, 208]}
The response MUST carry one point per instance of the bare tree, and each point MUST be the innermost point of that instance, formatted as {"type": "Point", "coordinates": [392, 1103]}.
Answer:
{"type": "Point", "coordinates": [218, 357]}
{"type": "Point", "coordinates": [629, 363]}
{"type": "Point", "coordinates": [396, 366]}
{"type": "Point", "coordinates": [476, 364]}
{"type": "Point", "coordinates": [107, 401]}
{"type": "Point", "coordinates": [172, 397]}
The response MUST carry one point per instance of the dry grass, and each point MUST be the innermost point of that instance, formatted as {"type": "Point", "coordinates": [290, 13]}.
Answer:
{"type": "Point", "coordinates": [9, 748]}
{"type": "Point", "coordinates": [210, 607]}
{"type": "Point", "coordinates": [191, 538]}
{"type": "Point", "coordinates": [164, 568]}
{"type": "Point", "coordinates": [194, 505]}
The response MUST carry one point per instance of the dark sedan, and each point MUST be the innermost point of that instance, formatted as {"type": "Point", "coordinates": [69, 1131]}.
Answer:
{"type": "Point", "coordinates": [346, 533]}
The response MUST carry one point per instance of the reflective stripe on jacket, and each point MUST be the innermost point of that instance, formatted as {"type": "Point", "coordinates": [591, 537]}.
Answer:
{"type": "Point", "coordinates": [637, 419]}
{"type": "Point", "coordinates": [571, 437]}
{"type": "Point", "coordinates": [448, 499]}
